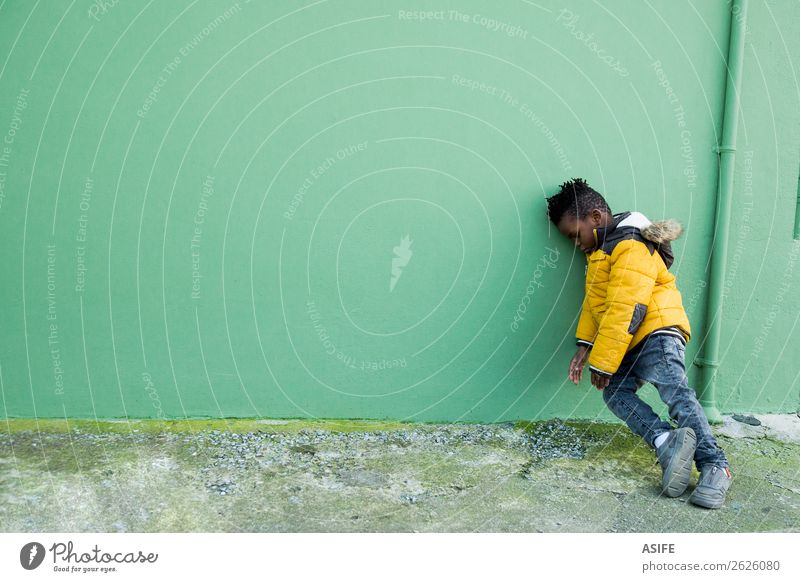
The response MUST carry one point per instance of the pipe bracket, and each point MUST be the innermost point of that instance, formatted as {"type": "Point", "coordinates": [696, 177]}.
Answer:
{"type": "Point", "coordinates": [704, 363]}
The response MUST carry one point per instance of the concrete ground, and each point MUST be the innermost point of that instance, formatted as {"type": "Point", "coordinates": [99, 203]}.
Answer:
{"type": "Point", "coordinates": [370, 476]}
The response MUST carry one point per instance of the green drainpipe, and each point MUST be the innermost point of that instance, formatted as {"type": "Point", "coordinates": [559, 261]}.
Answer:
{"type": "Point", "coordinates": [719, 246]}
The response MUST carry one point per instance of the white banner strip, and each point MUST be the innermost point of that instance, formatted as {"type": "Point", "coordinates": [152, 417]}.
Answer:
{"type": "Point", "coordinates": [399, 556]}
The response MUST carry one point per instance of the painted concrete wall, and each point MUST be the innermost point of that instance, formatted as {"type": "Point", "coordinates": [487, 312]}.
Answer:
{"type": "Point", "coordinates": [760, 369]}
{"type": "Point", "coordinates": [337, 209]}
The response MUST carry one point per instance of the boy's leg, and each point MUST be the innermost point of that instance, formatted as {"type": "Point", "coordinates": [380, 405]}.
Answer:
{"type": "Point", "coordinates": [669, 377]}
{"type": "Point", "coordinates": [620, 397]}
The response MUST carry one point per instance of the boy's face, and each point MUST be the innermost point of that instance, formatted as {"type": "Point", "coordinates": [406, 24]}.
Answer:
{"type": "Point", "coordinates": [582, 230]}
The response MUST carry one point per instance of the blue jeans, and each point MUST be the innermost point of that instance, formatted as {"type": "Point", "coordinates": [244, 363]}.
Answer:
{"type": "Point", "coordinates": [659, 360]}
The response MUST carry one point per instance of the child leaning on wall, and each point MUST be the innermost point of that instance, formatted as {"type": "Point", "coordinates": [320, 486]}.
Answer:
{"type": "Point", "coordinates": [633, 329]}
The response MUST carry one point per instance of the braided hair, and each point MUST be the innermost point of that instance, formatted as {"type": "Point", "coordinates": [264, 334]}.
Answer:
{"type": "Point", "coordinates": [575, 198]}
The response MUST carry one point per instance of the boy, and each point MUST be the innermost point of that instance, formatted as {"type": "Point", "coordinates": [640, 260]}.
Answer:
{"type": "Point", "coordinates": [633, 329]}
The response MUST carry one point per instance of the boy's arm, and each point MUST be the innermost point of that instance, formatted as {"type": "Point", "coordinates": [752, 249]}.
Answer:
{"type": "Point", "coordinates": [630, 285]}
{"type": "Point", "coordinates": [587, 328]}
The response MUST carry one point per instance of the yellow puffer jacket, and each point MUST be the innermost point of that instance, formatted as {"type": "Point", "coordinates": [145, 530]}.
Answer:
{"type": "Point", "coordinates": [629, 289]}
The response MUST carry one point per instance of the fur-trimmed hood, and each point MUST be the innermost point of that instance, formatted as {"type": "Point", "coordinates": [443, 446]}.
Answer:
{"type": "Point", "coordinates": [662, 231]}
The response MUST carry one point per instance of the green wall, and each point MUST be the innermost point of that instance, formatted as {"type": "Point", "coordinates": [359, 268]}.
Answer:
{"type": "Point", "coordinates": [336, 209]}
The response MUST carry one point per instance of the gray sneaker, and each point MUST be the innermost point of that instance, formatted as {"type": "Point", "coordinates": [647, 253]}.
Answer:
{"type": "Point", "coordinates": [675, 455]}
{"type": "Point", "coordinates": [711, 487]}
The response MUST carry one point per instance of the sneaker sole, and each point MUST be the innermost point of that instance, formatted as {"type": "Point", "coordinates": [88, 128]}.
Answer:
{"type": "Point", "coordinates": [703, 501]}
{"type": "Point", "coordinates": [676, 478]}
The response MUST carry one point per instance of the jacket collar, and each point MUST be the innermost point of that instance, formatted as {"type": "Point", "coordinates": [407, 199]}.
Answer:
{"type": "Point", "coordinates": [601, 233]}
{"type": "Point", "coordinates": [604, 232]}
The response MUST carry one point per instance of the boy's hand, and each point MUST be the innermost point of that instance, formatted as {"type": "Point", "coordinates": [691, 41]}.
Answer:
{"type": "Point", "coordinates": [599, 381]}
{"type": "Point", "coordinates": [577, 363]}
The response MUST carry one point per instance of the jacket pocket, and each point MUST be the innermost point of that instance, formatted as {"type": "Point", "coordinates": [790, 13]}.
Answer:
{"type": "Point", "coordinates": [639, 311]}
